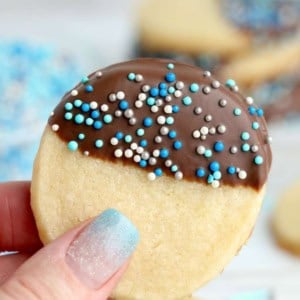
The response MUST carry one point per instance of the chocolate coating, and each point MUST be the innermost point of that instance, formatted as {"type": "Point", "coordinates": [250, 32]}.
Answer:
{"type": "Point", "coordinates": [216, 120]}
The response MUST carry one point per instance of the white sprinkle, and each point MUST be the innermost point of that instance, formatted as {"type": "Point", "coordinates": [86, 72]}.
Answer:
{"type": "Point", "coordinates": [128, 153]}
{"type": "Point", "coordinates": [221, 129]}
{"type": "Point", "coordinates": [161, 120]}
{"type": "Point", "coordinates": [179, 85]}
{"type": "Point", "coordinates": [178, 94]}
{"type": "Point", "coordinates": [206, 74]}
{"type": "Point", "coordinates": [74, 93]}
{"type": "Point", "coordinates": [158, 139]}
{"type": "Point", "coordinates": [198, 110]}
{"type": "Point", "coordinates": [93, 105]}
{"type": "Point", "coordinates": [159, 102]}
{"type": "Point", "coordinates": [168, 98]}
{"type": "Point", "coordinates": [142, 96]}
{"type": "Point", "coordinates": [208, 118]}
{"type": "Point", "coordinates": [55, 127]}
{"type": "Point", "coordinates": [137, 158]}
{"type": "Point", "coordinates": [145, 155]}
{"type": "Point", "coordinates": [168, 163]}
{"type": "Point", "coordinates": [222, 102]}
{"type": "Point", "coordinates": [146, 88]}
{"type": "Point", "coordinates": [200, 150]}
{"type": "Point", "coordinates": [118, 113]}
{"type": "Point", "coordinates": [212, 130]}
{"type": "Point", "coordinates": [204, 130]}
{"type": "Point", "coordinates": [206, 90]}
{"type": "Point", "coordinates": [154, 109]}
{"type": "Point", "coordinates": [133, 146]}
{"type": "Point", "coordinates": [254, 148]}
{"type": "Point", "coordinates": [156, 153]}
{"type": "Point", "coordinates": [128, 113]}
{"type": "Point", "coordinates": [164, 130]}
{"type": "Point", "coordinates": [114, 141]}
{"type": "Point", "coordinates": [203, 137]}
{"type": "Point", "coordinates": [215, 184]}
{"type": "Point", "coordinates": [152, 161]}
{"type": "Point", "coordinates": [120, 95]}
{"type": "Point", "coordinates": [235, 88]}
{"type": "Point", "coordinates": [196, 134]}
{"type": "Point", "coordinates": [138, 104]}
{"type": "Point", "coordinates": [99, 74]}
{"type": "Point", "coordinates": [151, 176]}
{"type": "Point", "coordinates": [118, 153]}
{"type": "Point", "coordinates": [242, 174]}
{"type": "Point", "coordinates": [139, 77]}
{"type": "Point", "coordinates": [269, 140]}
{"type": "Point", "coordinates": [139, 150]}
{"type": "Point", "coordinates": [168, 109]}
{"type": "Point", "coordinates": [215, 84]}
{"type": "Point", "coordinates": [132, 121]}
{"type": "Point", "coordinates": [238, 170]}
{"type": "Point", "coordinates": [249, 100]}
{"type": "Point", "coordinates": [233, 150]}
{"type": "Point", "coordinates": [52, 114]}
{"type": "Point", "coordinates": [86, 153]}
{"type": "Point", "coordinates": [104, 107]}
{"type": "Point", "coordinates": [178, 175]}
{"type": "Point", "coordinates": [112, 97]}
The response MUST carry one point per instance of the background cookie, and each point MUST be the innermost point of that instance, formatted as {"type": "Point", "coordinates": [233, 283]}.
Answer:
{"type": "Point", "coordinates": [193, 188]}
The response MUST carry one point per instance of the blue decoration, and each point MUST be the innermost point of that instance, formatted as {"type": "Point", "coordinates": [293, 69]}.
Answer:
{"type": "Point", "coordinates": [177, 145]}
{"type": "Point", "coordinates": [148, 122]}
{"type": "Point", "coordinates": [98, 125]}
{"type": "Point", "coordinates": [95, 114]}
{"type": "Point", "coordinates": [164, 153]}
{"type": "Point", "coordinates": [143, 143]}
{"type": "Point", "coordinates": [123, 105]}
{"type": "Point", "coordinates": [85, 107]}
{"type": "Point", "coordinates": [231, 170]}
{"type": "Point", "coordinates": [154, 92]}
{"type": "Point", "coordinates": [158, 172]}
{"type": "Point", "coordinates": [89, 88]}
{"type": "Point", "coordinates": [200, 172]}
{"type": "Point", "coordinates": [119, 135]}
{"type": "Point", "coordinates": [172, 134]}
{"type": "Point", "coordinates": [170, 77]}
{"type": "Point", "coordinates": [143, 163]}
{"type": "Point", "coordinates": [214, 166]}
{"type": "Point", "coordinates": [175, 108]}
{"type": "Point", "coordinates": [219, 146]}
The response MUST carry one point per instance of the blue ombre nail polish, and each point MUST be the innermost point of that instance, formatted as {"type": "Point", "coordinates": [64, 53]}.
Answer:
{"type": "Point", "coordinates": [102, 248]}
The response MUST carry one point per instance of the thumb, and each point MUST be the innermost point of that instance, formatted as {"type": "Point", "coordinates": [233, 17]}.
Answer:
{"type": "Point", "coordinates": [85, 263]}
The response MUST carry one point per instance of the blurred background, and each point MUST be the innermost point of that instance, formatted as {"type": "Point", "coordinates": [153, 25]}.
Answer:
{"type": "Point", "coordinates": [47, 46]}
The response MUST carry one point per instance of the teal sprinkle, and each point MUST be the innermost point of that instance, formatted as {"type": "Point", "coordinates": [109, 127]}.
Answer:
{"type": "Point", "coordinates": [194, 87]}
{"type": "Point", "coordinates": [81, 136]}
{"type": "Point", "coordinates": [150, 101]}
{"type": "Point", "coordinates": [170, 66]}
{"type": "Point", "coordinates": [68, 106]}
{"type": "Point", "coordinates": [107, 119]}
{"type": "Point", "coordinates": [237, 111]}
{"type": "Point", "coordinates": [170, 120]}
{"type": "Point", "coordinates": [140, 132]}
{"type": "Point", "coordinates": [174, 168]}
{"type": "Point", "coordinates": [210, 178]}
{"type": "Point", "coordinates": [68, 116]}
{"type": "Point", "coordinates": [255, 125]}
{"type": "Point", "coordinates": [77, 103]}
{"type": "Point", "coordinates": [230, 83]}
{"type": "Point", "coordinates": [258, 160]}
{"type": "Point", "coordinates": [79, 119]}
{"type": "Point", "coordinates": [208, 153]}
{"type": "Point", "coordinates": [171, 90]}
{"type": "Point", "coordinates": [217, 175]}
{"type": "Point", "coordinates": [89, 121]}
{"type": "Point", "coordinates": [131, 76]}
{"type": "Point", "coordinates": [245, 147]}
{"type": "Point", "coordinates": [72, 145]}
{"type": "Point", "coordinates": [187, 100]}
{"type": "Point", "coordinates": [99, 143]}
{"type": "Point", "coordinates": [85, 80]}
{"type": "Point", "coordinates": [128, 138]}
{"type": "Point", "coordinates": [245, 136]}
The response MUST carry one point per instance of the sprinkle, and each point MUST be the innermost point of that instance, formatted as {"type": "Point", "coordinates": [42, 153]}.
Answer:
{"type": "Point", "coordinates": [255, 125]}
{"type": "Point", "coordinates": [154, 109]}
{"type": "Point", "coordinates": [206, 90]}
{"type": "Point", "coordinates": [230, 83]}
{"type": "Point", "coordinates": [210, 178]}
{"type": "Point", "coordinates": [174, 168]}
{"type": "Point", "coordinates": [249, 100]}
{"type": "Point", "coordinates": [139, 150]}
{"type": "Point", "coordinates": [142, 96]}
{"type": "Point", "coordinates": [164, 153]}
{"type": "Point", "coordinates": [164, 130]}
{"type": "Point", "coordinates": [93, 105]}
{"type": "Point", "coordinates": [123, 105]}
{"type": "Point", "coordinates": [235, 88]}
{"type": "Point", "coordinates": [237, 112]}
{"type": "Point", "coordinates": [170, 77]}
{"type": "Point", "coordinates": [214, 166]}
{"type": "Point", "coordinates": [133, 146]}
{"type": "Point", "coordinates": [187, 100]}
{"type": "Point", "coordinates": [68, 106]}
{"type": "Point", "coordinates": [208, 118]}
{"type": "Point", "coordinates": [151, 176]}
{"type": "Point", "coordinates": [89, 88]}
{"type": "Point", "coordinates": [148, 122]}
{"type": "Point", "coordinates": [212, 130]}
{"type": "Point", "coordinates": [85, 107]}
{"type": "Point", "coordinates": [89, 121]}
{"type": "Point", "coordinates": [79, 119]}
{"type": "Point", "coordinates": [86, 153]}
{"type": "Point", "coordinates": [85, 80]}
{"type": "Point", "coordinates": [222, 102]}
{"type": "Point", "coordinates": [159, 102]}
{"type": "Point", "coordinates": [219, 146]}
{"type": "Point", "coordinates": [77, 103]}
{"type": "Point", "coordinates": [128, 153]}
{"type": "Point", "coordinates": [146, 88]}
{"type": "Point", "coordinates": [154, 92]}
{"type": "Point", "coordinates": [104, 107]}
{"type": "Point", "coordinates": [138, 104]}
{"type": "Point", "coordinates": [161, 120]}
{"type": "Point", "coordinates": [114, 141]}
{"type": "Point", "coordinates": [242, 174]}
{"type": "Point", "coordinates": [168, 163]}
{"type": "Point", "coordinates": [245, 147]}
{"type": "Point", "coordinates": [231, 170]}
{"type": "Point", "coordinates": [252, 110]}
{"type": "Point", "coordinates": [260, 112]}
{"type": "Point", "coordinates": [118, 113]}
{"type": "Point", "coordinates": [197, 110]}
{"type": "Point", "coordinates": [128, 139]}
{"type": "Point", "coordinates": [179, 85]}
{"type": "Point", "coordinates": [168, 98]}
{"type": "Point", "coordinates": [204, 130]}
{"type": "Point", "coordinates": [178, 175]}
{"type": "Point", "coordinates": [208, 153]}
{"type": "Point", "coordinates": [143, 143]}
{"type": "Point", "coordinates": [139, 77]}
{"type": "Point", "coordinates": [118, 153]}
{"type": "Point", "coordinates": [140, 132]}
{"type": "Point", "coordinates": [258, 160]}
{"type": "Point", "coordinates": [137, 158]}
{"type": "Point", "coordinates": [245, 136]}
{"type": "Point", "coordinates": [170, 66]}
{"type": "Point", "coordinates": [150, 101]}
{"type": "Point", "coordinates": [206, 74]}
{"type": "Point", "coordinates": [74, 93]}
{"type": "Point", "coordinates": [221, 129]}
{"type": "Point", "coordinates": [200, 172]}
{"type": "Point", "coordinates": [170, 120]}
{"type": "Point", "coordinates": [156, 153]}
{"type": "Point", "coordinates": [254, 148]}
{"type": "Point", "coordinates": [112, 97]}
{"type": "Point", "coordinates": [119, 135]}
{"type": "Point", "coordinates": [98, 125]}
{"type": "Point", "coordinates": [158, 139]}
{"type": "Point", "coordinates": [68, 116]}
{"type": "Point", "coordinates": [269, 140]}
{"type": "Point", "coordinates": [158, 172]}
{"type": "Point", "coordinates": [143, 163]}
{"type": "Point", "coordinates": [178, 93]}
{"type": "Point", "coordinates": [72, 145]}
{"type": "Point", "coordinates": [168, 109]}
{"type": "Point", "coordinates": [215, 84]}
{"type": "Point", "coordinates": [177, 145]}
{"type": "Point", "coordinates": [52, 114]}
{"type": "Point", "coordinates": [171, 90]}
{"type": "Point", "coordinates": [200, 150]}
{"type": "Point", "coordinates": [152, 161]}
{"type": "Point", "coordinates": [55, 127]}
{"type": "Point", "coordinates": [120, 95]}
{"type": "Point", "coordinates": [172, 134]}
{"type": "Point", "coordinates": [81, 136]}
{"type": "Point", "coordinates": [194, 87]}
{"type": "Point", "coordinates": [132, 121]}
{"type": "Point", "coordinates": [217, 175]}
{"type": "Point", "coordinates": [131, 76]}
{"type": "Point", "coordinates": [107, 119]}
{"type": "Point", "coordinates": [233, 150]}
{"type": "Point", "coordinates": [99, 74]}
{"type": "Point", "coordinates": [128, 113]}
{"type": "Point", "coordinates": [145, 155]}
{"type": "Point", "coordinates": [215, 184]}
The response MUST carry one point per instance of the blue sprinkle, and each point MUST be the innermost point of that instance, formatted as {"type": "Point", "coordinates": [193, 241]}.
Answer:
{"type": "Point", "coordinates": [150, 101]}
{"type": "Point", "coordinates": [172, 134]}
{"type": "Point", "coordinates": [99, 143]}
{"type": "Point", "coordinates": [214, 166]}
{"type": "Point", "coordinates": [171, 89]}
{"type": "Point", "coordinates": [255, 125]}
{"type": "Point", "coordinates": [258, 160]}
{"type": "Point", "coordinates": [119, 135]}
{"type": "Point", "coordinates": [177, 145]}
{"type": "Point", "coordinates": [68, 116]}
{"type": "Point", "coordinates": [143, 143]}
{"type": "Point", "coordinates": [128, 138]}
{"type": "Point", "coordinates": [194, 87]}
{"type": "Point", "coordinates": [208, 153]}
{"type": "Point", "coordinates": [81, 136]}
{"type": "Point", "coordinates": [200, 172]}
{"type": "Point", "coordinates": [95, 114]}
{"type": "Point", "coordinates": [219, 146]}
{"type": "Point", "coordinates": [164, 153]}
{"type": "Point", "coordinates": [252, 110]}
{"type": "Point", "coordinates": [89, 88]}
{"type": "Point", "coordinates": [143, 163]}
{"type": "Point", "coordinates": [163, 85]}
{"type": "Point", "coordinates": [170, 77]}
{"type": "Point", "coordinates": [237, 111]}
{"type": "Point", "coordinates": [148, 122]}
{"type": "Point", "coordinates": [260, 112]}
{"type": "Point", "coordinates": [85, 107]}
{"type": "Point", "coordinates": [175, 109]}
{"type": "Point", "coordinates": [131, 76]}
{"type": "Point", "coordinates": [107, 119]}
{"type": "Point", "coordinates": [245, 136]}
{"type": "Point", "coordinates": [217, 175]}
{"type": "Point", "coordinates": [245, 147]}
{"type": "Point", "coordinates": [97, 125]}
{"type": "Point", "coordinates": [154, 92]}
{"type": "Point", "coordinates": [123, 105]}
{"type": "Point", "coordinates": [79, 119]}
{"type": "Point", "coordinates": [85, 80]}
{"type": "Point", "coordinates": [187, 100]}
{"type": "Point", "coordinates": [72, 145]}
{"type": "Point", "coordinates": [231, 170]}
{"type": "Point", "coordinates": [230, 83]}
{"type": "Point", "coordinates": [158, 172]}
{"type": "Point", "coordinates": [77, 103]}
{"type": "Point", "coordinates": [140, 132]}
{"type": "Point", "coordinates": [163, 93]}
{"type": "Point", "coordinates": [68, 106]}
{"type": "Point", "coordinates": [174, 168]}
{"type": "Point", "coordinates": [210, 178]}
{"type": "Point", "coordinates": [89, 121]}
{"type": "Point", "coordinates": [169, 120]}
{"type": "Point", "coordinates": [170, 66]}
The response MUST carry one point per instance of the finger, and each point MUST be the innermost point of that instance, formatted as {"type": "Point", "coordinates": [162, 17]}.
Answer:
{"type": "Point", "coordinates": [85, 263]}
{"type": "Point", "coordinates": [18, 230]}
{"type": "Point", "coordinates": [9, 264]}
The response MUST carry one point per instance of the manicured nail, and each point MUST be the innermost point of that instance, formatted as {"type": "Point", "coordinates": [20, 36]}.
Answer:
{"type": "Point", "coordinates": [102, 248]}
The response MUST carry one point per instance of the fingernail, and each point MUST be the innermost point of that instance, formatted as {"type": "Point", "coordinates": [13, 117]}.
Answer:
{"type": "Point", "coordinates": [102, 248]}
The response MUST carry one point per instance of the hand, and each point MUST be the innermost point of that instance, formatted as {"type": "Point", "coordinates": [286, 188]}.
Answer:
{"type": "Point", "coordinates": [85, 263]}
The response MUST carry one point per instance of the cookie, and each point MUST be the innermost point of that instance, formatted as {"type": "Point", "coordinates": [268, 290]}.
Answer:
{"type": "Point", "coordinates": [285, 222]}
{"type": "Point", "coordinates": [185, 157]}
